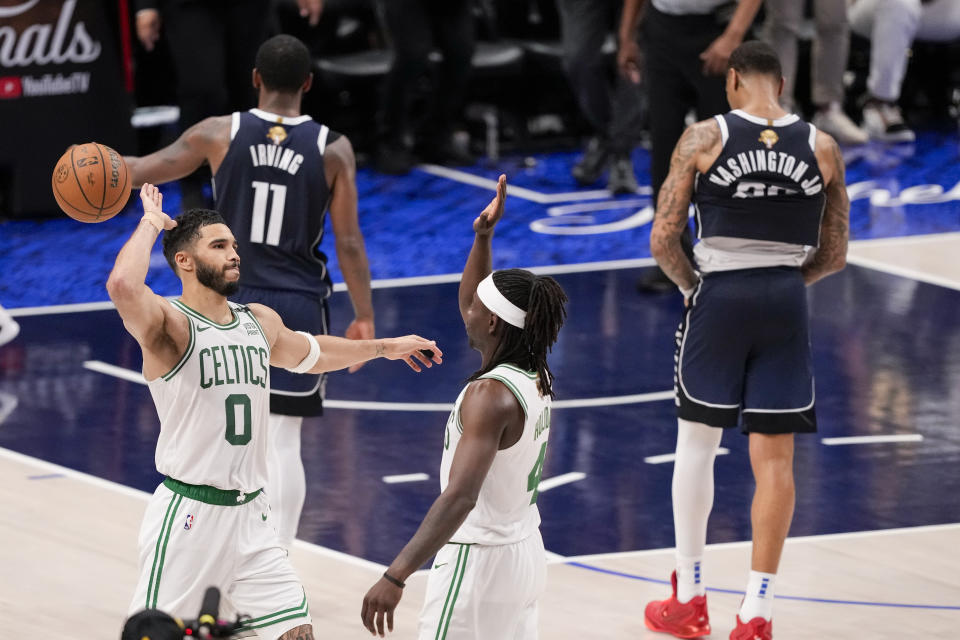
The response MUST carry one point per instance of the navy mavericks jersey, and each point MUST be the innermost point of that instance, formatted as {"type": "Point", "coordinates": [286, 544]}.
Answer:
{"type": "Point", "coordinates": [765, 185]}
{"type": "Point", "coordinates": [273, 193]}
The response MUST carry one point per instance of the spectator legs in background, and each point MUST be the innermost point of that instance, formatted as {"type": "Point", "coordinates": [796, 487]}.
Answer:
{"type": "Point", "coordinates": [412, 25]}
{"type": "Point", "coordinates": [213, 45]}
{"type": "Point", "coordinates": [831, 45]}
{"type": "Point", "coordinates": [613, 109]}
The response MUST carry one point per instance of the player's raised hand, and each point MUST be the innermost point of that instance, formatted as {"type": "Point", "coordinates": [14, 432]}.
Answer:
{"type": "Point", "coordinates": [152, 201]}
{"type": "Point", "coordinates": [489, 217]}
{"type": "Point", "coordinates": [411, 349]}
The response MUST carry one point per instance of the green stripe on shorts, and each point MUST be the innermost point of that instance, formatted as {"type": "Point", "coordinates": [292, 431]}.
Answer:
{"type": "Point", "coordinates": [160, 553]}
{"type": "Point", "coordinates": [299, 611]}
{"type": "Point", "coordinates": [454, 591]}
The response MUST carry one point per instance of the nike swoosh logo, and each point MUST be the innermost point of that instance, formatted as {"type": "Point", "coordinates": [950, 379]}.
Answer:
{"type": "Point", "coordinates": [264, 516]}
{"type": "Point", "coordinates": [202, 328]}
{"type": "Point", "coordinates": [437, 566]}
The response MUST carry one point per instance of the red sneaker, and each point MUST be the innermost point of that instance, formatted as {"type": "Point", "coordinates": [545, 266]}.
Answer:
{"type": "Point", "coordinates": [756, 629]}
{"type": "Point", "coordinates": [681, 619]}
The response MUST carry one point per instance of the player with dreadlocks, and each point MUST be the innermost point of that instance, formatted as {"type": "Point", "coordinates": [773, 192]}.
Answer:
{"type": "Point", "coordinates": [490, 564]}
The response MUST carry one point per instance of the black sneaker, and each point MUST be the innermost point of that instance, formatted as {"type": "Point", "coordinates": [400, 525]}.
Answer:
{"type": "Point", "coordinates": [592, 163]}
{"type": "Point", "coordinates": [621, 178]}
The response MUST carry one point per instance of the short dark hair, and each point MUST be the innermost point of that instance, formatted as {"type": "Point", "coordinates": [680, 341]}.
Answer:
{"type": "Point", "coordinates": [543, 299]}
{"type": "Point", "coordinates": [284, 63]}
{"type": "Point", "coordinates": [187, 232]}
{"type": "Point", "coordinates": [756, 56]}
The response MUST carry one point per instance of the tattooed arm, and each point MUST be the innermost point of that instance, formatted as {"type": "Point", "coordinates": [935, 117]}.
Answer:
{"type": "Point", "coordinates": [831, 254]}
{"type": "Point", "coordinates": [692, 153]}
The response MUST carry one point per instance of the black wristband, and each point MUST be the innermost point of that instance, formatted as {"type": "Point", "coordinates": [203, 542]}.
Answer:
{"type": "Point", "coordinates": [389, 578]}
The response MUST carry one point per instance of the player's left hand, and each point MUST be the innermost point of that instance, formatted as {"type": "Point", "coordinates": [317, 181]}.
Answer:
{"type": "Point", "coordinates": [311, 10]}
{"type": "Point", "coordinates": [359, 329]}
{"type": "Point", "coordinates": [484, 223]}
{"type": "Point", "coordinates": [382, 598]}
{"type": "Point", "coordinates": [716, 56]}
{"type": "Point", "coordinates": [411, 349]}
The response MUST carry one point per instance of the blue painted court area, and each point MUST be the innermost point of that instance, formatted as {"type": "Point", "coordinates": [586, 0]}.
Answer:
{"type": "Point", "coordinates": [420, 224]}
{"type": "Point", "coordinates": [886, 355]}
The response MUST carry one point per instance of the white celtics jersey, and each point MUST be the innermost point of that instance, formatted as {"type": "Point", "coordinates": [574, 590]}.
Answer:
{"type": "Point", "coordinates": [213, 405]}
{"type": "Point", "coordinates": [506, 510]}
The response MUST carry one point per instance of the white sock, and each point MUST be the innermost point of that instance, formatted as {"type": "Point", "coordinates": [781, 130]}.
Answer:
{"type": "Point", "coordinates": [692, 493]}
{"type": "Point", "coordinates": [758, 601]}
{"type": "Point", "coordinates": [689, 584]}
{"type": "Point", "coordinates": [286, 481]}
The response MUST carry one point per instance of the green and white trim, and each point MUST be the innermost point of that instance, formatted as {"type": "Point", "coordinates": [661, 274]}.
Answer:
{"type": "Point", "coordinates": [160, 552]}
{"type": "Point", "coordinates": [302, 610]}
{"type": "Point", "coordinates": [492, 375]}
{"type": "Point", "coordinates": [198, 316]}
{"type": "Point", "coordinates": [446, 614]}
{"type": "Point", "coordinates": [186, 354]}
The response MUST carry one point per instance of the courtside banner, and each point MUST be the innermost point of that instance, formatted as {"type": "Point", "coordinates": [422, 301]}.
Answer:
{"type": "Point", "coordinates": [61, 82]}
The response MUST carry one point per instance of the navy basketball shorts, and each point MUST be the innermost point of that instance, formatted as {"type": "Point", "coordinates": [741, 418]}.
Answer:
{"type": "Point", "coordinates": [293, 394]}
{"type": "Point", "coordinates": [743, 349]}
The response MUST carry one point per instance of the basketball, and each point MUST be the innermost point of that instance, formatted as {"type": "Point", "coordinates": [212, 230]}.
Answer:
{"type": "Point", "coordinates": [91, 182]}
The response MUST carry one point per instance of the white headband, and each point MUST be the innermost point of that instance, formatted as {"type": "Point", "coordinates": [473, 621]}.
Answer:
{"type": "Point", "coordinates": [491, 297]}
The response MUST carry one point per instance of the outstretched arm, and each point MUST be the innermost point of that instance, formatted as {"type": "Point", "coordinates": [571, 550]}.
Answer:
{"type": "Point", "coordinates": [674, 203]}
{"type": "Point", "coordinates": [831, 254]}
{"type": "Point", "coordinates": [206, 141]}
{"type": "Point", "coordinates": [288, 349]}
{"type": "Point", "coordinates": [340, 167]}
{"type": "Point", "coordinates": [480, 261]}
{"type": "Point", "coordinates": [488, 408]}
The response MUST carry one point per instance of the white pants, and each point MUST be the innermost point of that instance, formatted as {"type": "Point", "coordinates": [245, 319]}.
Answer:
{"type": "Point", "coordinates": [480, 592]}
{"type": "Point", "coordinates": [187, 546]}
{"type": "Point", "coordinates": [831, 44]}
{"type": "Point", "coordinates": [892, 26]}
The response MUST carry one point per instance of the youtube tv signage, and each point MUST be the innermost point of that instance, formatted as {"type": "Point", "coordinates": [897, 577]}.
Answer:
{"type": "Point", "coordinates": [61, 82]}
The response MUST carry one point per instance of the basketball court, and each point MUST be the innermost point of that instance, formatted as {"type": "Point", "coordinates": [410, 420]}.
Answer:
{"type": "Point", "coordinates": [873, 544]}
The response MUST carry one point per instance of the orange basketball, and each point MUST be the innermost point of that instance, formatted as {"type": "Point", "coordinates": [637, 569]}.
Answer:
{"type": "Point", "coordinates": [90, 182]}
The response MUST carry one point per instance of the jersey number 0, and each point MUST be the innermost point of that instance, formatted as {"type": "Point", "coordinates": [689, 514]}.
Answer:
{"type": "Point", "coordinates": [262, 192]}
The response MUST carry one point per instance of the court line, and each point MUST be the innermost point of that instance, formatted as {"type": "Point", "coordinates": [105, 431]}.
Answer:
{"type": "Point", "coordinates": [559, 481]}
{"type": "Point", "coordinates": [512, 190]}
{"type": "Point", "coordinates": [899, 437]}
{"type": "Point", "coordinates": [903, 272]}
{"type": "Point", "coordinates": [865, 603]}
{"type": "Point", "coordinates": [369, 405]}
{"type": "Point", "coordinates": [405, 477]}
{"type": "Point", "coordinates": [670, 457]}
{"type": "Point", "coordinates": [904, 240]}
{"type": "Point", "coordinates": [820, 537]}
{"type": "Point", "coordinates": [101, 483]}
{"type": "Point", "coordinates": [383, 283]}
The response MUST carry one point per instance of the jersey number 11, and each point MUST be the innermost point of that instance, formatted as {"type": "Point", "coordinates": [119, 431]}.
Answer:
{"type": "Point", "coordinates": [261, 194]}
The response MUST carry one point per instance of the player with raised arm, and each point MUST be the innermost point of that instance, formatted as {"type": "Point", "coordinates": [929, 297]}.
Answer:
{"type": "Point", "coordinates": [207, 363]}
{"type": "Point", "coordinates": [490, 563]}
{"type": "Point", "coordinates": [276, 173]}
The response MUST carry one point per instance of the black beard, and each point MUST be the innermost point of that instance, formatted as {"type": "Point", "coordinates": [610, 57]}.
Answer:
{"type": "Point", "coordinates": [211, 278]}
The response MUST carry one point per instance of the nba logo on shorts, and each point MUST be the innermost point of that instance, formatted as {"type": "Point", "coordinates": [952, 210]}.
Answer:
{"type": "Point", "coordinates": [189, 523]}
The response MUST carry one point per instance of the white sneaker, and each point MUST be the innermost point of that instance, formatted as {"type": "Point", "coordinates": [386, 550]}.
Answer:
{"type": "Point", "coordinates": [884, 122]}
{"type": "Point", "coordinates": [834, 121]}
